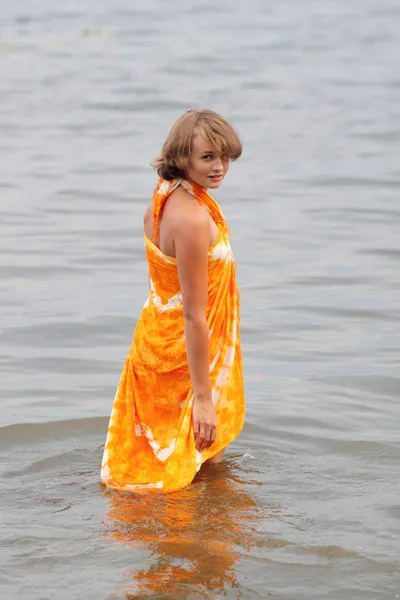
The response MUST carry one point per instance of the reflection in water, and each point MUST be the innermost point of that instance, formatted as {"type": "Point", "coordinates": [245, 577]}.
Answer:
{"type": "Point", "coordinates": [194, 536]}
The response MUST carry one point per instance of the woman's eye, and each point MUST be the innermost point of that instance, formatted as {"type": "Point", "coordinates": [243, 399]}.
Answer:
{"type": "Point", "coordinates": [207, 156]}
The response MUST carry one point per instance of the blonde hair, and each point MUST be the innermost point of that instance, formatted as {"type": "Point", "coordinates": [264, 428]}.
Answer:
{"type": "Point", "coordinates": [177, 148]}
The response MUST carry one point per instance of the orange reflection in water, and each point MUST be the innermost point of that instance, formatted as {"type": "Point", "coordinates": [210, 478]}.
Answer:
{"type": "Point", "coordinates": [194, 536]}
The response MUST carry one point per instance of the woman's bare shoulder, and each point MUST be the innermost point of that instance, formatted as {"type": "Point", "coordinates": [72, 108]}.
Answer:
{"type": "Point", "coordinates": [182, 217]}
{"type": "Point", "coordinates": [181, 199]}
{"type": "Point", "coordinates": [183, 212]}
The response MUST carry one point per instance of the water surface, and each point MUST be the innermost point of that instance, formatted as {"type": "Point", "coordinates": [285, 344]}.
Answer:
{"type": "Point", "coordinates": [306, 504]}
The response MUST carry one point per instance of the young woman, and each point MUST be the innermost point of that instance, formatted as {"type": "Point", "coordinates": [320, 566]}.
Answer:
{"type": "Point", "coordinates": [180, 400]}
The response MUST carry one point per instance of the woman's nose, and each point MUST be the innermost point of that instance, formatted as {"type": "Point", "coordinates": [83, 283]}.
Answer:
{"type": "Point", "coordinates": [217, 164]}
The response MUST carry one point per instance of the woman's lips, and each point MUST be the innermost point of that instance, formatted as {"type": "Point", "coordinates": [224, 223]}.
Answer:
{"type": "Point", "coordinates": [215, 177]}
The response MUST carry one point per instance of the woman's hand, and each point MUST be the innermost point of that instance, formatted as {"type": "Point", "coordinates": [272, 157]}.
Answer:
{"type": "Point", "coordinates": [204, 423]}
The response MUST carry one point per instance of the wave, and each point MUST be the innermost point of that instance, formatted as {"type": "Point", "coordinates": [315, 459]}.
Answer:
{"type": "Point", "coordinates": [27, 433]}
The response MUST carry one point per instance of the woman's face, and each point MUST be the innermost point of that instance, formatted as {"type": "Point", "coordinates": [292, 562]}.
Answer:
{"type": "Point", "coordinates": [206, 167]}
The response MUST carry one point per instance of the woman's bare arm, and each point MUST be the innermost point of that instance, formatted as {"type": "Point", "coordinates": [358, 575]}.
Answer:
{"type": "Point", "coordinates": [191, 240]}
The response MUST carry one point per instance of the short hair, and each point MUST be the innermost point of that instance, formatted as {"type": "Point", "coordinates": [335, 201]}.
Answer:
{"type": "Point", "coordinates": [177, 148]}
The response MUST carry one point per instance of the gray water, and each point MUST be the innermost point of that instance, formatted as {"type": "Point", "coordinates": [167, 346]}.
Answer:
{"type": "Point", "coordinates": [307, 503]}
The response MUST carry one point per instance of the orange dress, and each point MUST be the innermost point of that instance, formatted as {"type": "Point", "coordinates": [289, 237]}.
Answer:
{"type": "Point", "coordinates": [150, 442]}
